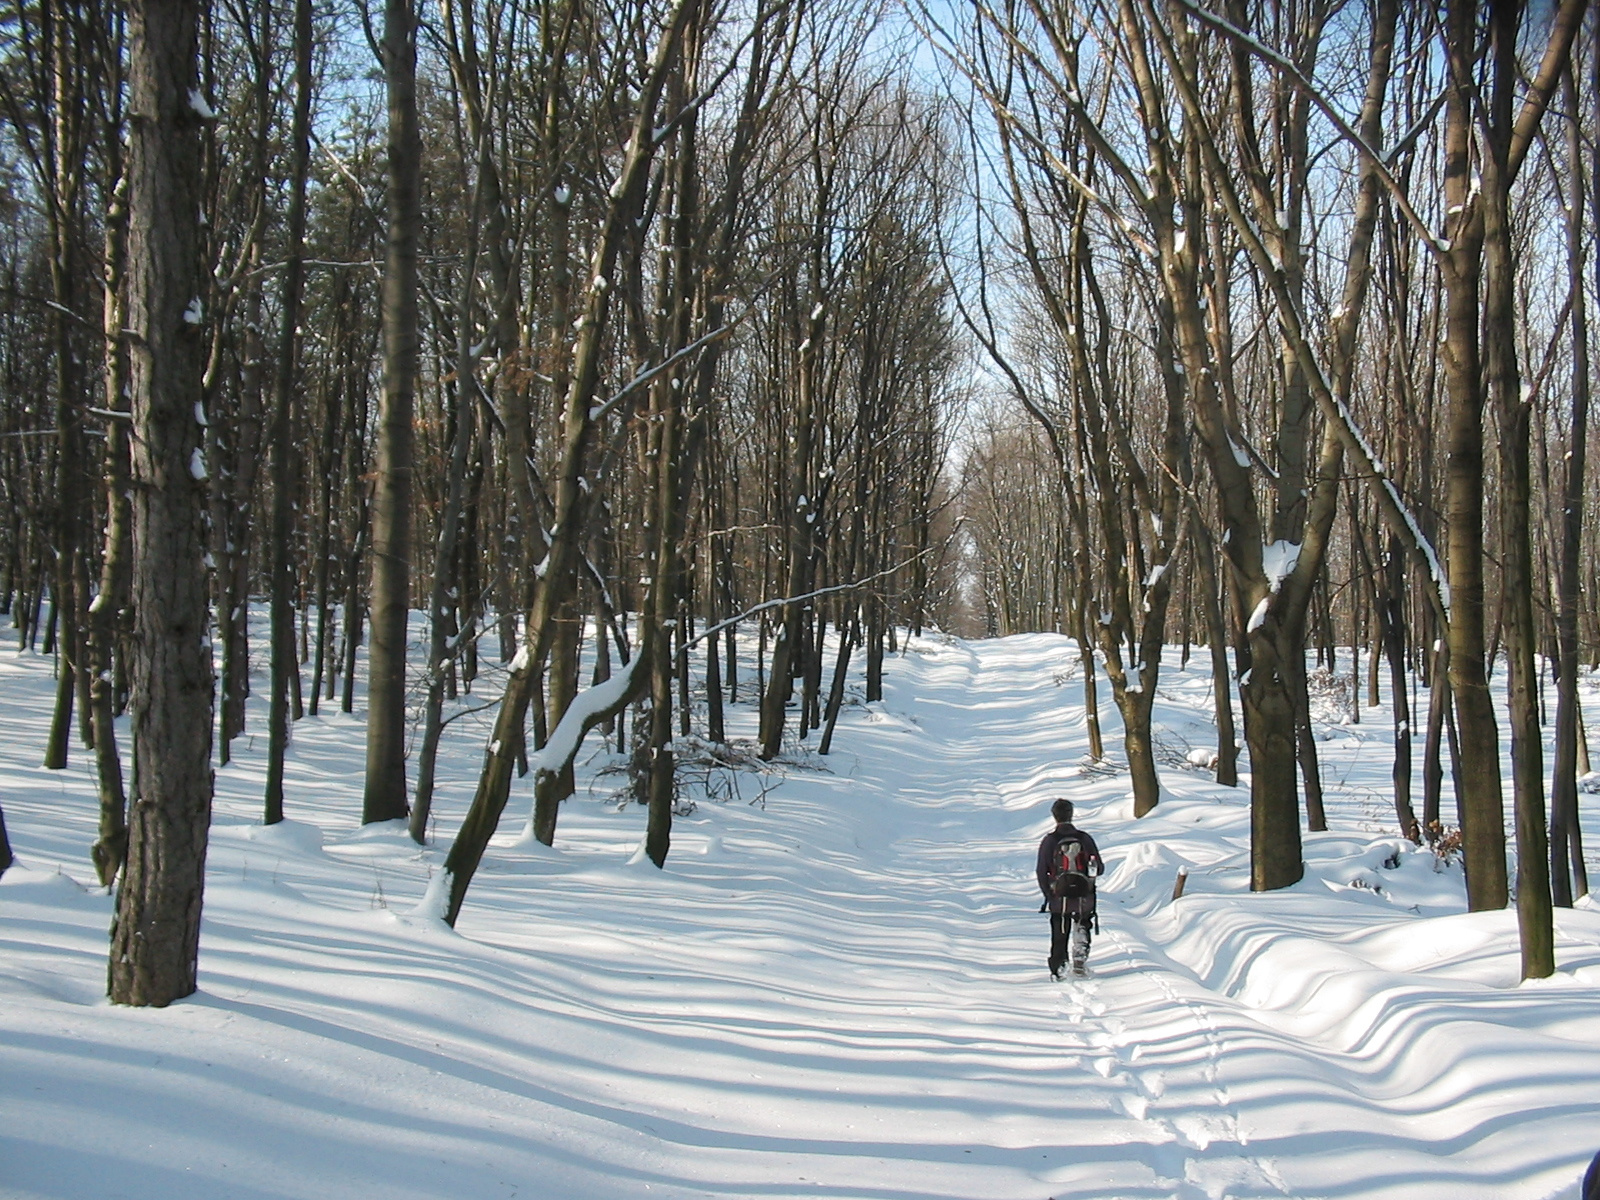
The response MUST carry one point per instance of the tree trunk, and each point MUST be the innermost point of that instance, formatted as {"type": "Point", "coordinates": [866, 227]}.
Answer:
{"type": "Point", "coordinates": [1504, 385]}
{"type": "Point", "coordinates": [385, 797]}
{"type": "Point", "coordinates": [155, 937]}
{"type": "Point", "coordinates": [111, 846]}
{"type": "Point", "coordinates": [1306, 746]}
{"type": "Point", "coordinates": [67, 110]}
{"type": "Point", "coordinates": [1392, 629]}
{"type": "Point", "coordinates": [1227, 772]}
{"type": "Point", "coordinates": [841, 669]}
{"type": "Point", "coordinates": [1269, 730]}
{"type": "Point", "coordinates": [233, 514]}
{"type": "Point", "coordinates": [284, 660]}
{"type": "Point", "coordinates": [1136, 744]}
{"type": "Point", "coordinates": [1566, 842]}
{"type": "Point", "coordinates": [442, 625]}
{"type": "Point", "coordinates": [1482, 807]}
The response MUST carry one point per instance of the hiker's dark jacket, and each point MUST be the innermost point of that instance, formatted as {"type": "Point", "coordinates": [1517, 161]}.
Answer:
{"type": "Point", "coordinates": [1050, 858]}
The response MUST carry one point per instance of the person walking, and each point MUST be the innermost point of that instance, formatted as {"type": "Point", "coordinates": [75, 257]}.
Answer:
{"type": "Point", "coordinates": [1068, 863]}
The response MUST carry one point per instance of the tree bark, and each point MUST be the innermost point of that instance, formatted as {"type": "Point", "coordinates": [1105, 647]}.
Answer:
{"type": "Point", "coordinates": [1567, 870]}
{"type": "Point", "coordinates": [111, 846]}
{"type": "Point", "coordinates": [385, 796]}
{"type": "Point", "coordinates": [156, 933]}
{"type": "Point", "coordinates": [285, 662]}
{"type": "Point", "coordinates": [1503, 380]}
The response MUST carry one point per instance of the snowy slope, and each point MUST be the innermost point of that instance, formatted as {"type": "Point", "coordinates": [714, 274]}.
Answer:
{"type": "Point", "coordinates": [837, 990]}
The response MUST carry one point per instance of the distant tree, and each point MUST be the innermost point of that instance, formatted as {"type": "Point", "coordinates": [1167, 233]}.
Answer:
{"type": "Point", "coordinates": [282, 583]}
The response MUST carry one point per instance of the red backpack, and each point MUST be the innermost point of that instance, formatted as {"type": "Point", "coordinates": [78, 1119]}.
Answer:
{"type": "Point", "coordinates": [1072, 876]}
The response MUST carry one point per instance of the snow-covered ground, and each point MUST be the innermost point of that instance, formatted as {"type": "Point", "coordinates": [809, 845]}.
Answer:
{"type": "Point", "coordinates": [836, 989]}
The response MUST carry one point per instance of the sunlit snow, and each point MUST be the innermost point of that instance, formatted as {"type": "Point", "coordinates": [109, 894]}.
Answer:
{"type": "Point", "coordinates": [836, 988]}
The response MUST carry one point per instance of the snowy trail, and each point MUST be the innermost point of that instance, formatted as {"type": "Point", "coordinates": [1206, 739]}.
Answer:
{"type": "Point", "coordinates": [839, 993]}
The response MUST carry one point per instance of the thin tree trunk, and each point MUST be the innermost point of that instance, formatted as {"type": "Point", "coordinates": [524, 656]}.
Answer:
{"type": "Point", "coordinates": [1306, 748]}
{"type": "Point", "coordinates": [1392, 627]}
{"type": "Point", "coordinates": [111, 846]}
{"type": "Point", "coordinates": [233, 511]}
{"type": "Point", "coordinates": [442, 625]}
{"type": "Point", "coordinates": [285, 662]}
{"type": "Point", "coordinates": [1566, 841]}
{"type": "Point", "coordinates": [66, 116]}
{"type": "Point", "coordinates": [841, 669]}
{"type": "Point", "coordinates": [1227, 771]}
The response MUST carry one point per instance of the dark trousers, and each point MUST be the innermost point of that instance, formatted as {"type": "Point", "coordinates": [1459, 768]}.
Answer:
{"type": "Point", "coordinates": [1061, 933]}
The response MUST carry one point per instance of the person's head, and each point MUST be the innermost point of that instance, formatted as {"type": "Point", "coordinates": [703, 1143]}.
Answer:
{"type": "Point", "coordinates": [1061, 810]}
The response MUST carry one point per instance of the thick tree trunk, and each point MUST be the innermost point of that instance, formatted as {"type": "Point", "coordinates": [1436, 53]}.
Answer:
{"type": "Point", "coordinates": [155, 937]}
{"type": "Point", "coordinates": [385, 797]}
{"type": "Point", "coordinates": [875, 640]}
{"type": "Point", "coordinates": [1269, 730]}
{"type": "Point", "coordinates": [1503, 379]}
{"type": "Point", "coordinates": [550, 788]}
{"type": "Point", "coordinates": [1136, 744]}
{"type": "Point", "coordinates": [1482, 806]}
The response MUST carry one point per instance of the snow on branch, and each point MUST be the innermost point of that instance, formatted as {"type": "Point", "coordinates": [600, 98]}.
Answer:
{"type": "Point", "coordinates": [588, 708]}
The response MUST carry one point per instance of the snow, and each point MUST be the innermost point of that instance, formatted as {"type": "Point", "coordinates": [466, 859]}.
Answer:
{"type": "Point", "coordinates": [197, 465]}
{"type": "Point", "coordinates": [1258, 617]}
{"type": "Point", "coordinates": [1278, 560]}
{"type": "Point", "coordinates": [837, 992]}
{"type": "Point", "coordinates": [195, 313]}
{"type": "Point", "coordinates": [200, 107]}
{"type": "Point", "coordinates": [563, 742]}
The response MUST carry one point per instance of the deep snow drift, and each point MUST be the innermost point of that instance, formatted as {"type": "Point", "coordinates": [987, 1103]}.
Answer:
{"type": "Point", "coordinates": [835, 989]}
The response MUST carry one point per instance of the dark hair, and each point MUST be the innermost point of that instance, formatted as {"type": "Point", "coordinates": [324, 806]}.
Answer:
{"type": "Point", "coordinates": [1061, 810]}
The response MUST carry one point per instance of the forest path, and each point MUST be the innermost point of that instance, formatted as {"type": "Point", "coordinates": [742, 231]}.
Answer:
{"type": "Point", "coordinates": [835, 990]}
